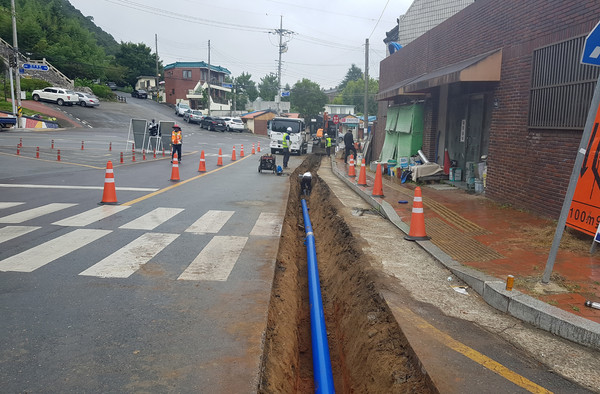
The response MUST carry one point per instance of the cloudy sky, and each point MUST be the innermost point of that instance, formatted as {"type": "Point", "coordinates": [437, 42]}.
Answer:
{"type": "Point", "coordinates": [328, 36]}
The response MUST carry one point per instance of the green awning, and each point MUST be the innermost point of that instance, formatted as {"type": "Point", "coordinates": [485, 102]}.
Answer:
{"type": "Point", "coordinates": [392, 117]}
{"type": "Point", "coordinates": [389, 146]}
{"type": "Point", "coordinates": [405, 119]}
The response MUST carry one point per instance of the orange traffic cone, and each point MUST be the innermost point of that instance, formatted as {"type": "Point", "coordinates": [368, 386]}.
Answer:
{"type": "Point", "coordinates": [233, 154]}
{"type": "Point", "coordinates": [351, 169]}
{"type": "Point", "coordinates": [378, 186]}
{"type": "Point", "coordinates": [253, 151]}
{"type": "Point", "coordinates": [362, 177]}
{"type": "Point", "coordinates": [175, 169]}
{"type": "Point", "coordinates": [109, 196]}
{"type": "Point", "coordinates": [446, 162]}
{"type": "Point", "coordinates": [258, 147]}
{"type": "Point", "coordinates": [242, 151]}
{"type": "Point", "coordinates": [202, 166]}
{"type": "Point", "coordinates": [220, 159]}
{"type": "Point", "coordinates": [417, 219]}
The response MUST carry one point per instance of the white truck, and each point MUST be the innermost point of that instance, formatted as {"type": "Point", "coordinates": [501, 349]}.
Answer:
{"type": "Point", "coordinates": [299, 136]}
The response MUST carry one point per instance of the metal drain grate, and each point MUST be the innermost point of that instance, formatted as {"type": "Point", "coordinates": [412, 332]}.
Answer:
{"type": "Point", "coordinates": [457, 244]}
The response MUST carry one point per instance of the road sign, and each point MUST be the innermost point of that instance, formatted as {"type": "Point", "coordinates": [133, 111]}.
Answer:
{"type": "Point", "coordinates": [227, 85]}
{"type": "Point", "coordinates": [336, 119]}
{"type": "Point", "coordinates": [285, 94]}
{"type": "Point", "coordinates": [36, 67]}
{"type": "Point", "coordinates": [591, 49]}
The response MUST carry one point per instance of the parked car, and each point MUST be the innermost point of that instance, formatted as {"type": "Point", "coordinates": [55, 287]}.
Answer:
{"type": "Point", "coordinates": [213, 123]}
{"type": "Point", "coordinates": [112, 85]}
{"type": "Point", "coordinates": [193, 116]}
{"type": "Point", "coordinates": [139, 93]}
{"type": "Point", "coordinates": [180, 109]}
{"type": "Point", "coordinates": [235, 124]}
{"type": "Point", "coordinates": [87, 100]}
{"type": "Point", "coordinates": [56, 95]}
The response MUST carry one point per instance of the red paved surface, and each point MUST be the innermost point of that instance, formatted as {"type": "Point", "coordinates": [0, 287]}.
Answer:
{"type": "Point", "coordinates": [47, 110]}
{"type": "Point", "coordinates": [522, 238]}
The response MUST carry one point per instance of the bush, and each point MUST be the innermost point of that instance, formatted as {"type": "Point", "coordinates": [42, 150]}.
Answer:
{"type": "Point", "coordinates": [31, 84]}
{"type": "Point", "coordinates": [103, 91]}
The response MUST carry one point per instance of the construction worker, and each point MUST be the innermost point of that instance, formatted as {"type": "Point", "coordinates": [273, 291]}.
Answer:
{"type": "Point", "coordinates": [176, 140]}
{"type": "Point", "coordinates": [328, 144]}
{"type": "Point", "coordinates": [305, 184]}
{"type": "Point", "coordinates": [286, 147]}
{"type": "Point", "coordinates": [349, 145]}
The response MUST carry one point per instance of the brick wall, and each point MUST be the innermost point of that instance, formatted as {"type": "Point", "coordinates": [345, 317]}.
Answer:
{"type": "Point", "coordinates": [527, 168]}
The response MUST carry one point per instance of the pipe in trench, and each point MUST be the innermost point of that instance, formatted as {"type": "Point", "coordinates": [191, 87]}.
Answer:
{"type": "Point", "coordinates": [323, 377]}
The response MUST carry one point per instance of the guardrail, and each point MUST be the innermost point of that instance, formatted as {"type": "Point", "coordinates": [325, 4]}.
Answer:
{"type": "Point", "coordinates": [320, 349]}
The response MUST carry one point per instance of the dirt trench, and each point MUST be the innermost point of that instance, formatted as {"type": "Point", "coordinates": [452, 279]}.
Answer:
{"type": "Point", "coordinates": [369, 353]}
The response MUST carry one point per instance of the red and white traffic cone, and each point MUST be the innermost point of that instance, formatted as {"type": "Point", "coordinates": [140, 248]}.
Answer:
{"type": "Point", "coordinates": [110, 195]}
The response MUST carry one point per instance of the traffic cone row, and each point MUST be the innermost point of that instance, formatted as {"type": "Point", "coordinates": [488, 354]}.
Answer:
{"type": "Point", "coordinates": [351, 169]}
{"type": "Point", "coordinates": [417, 219]}
{"type": "Point", "coordinates": [109, 196]}
{"type": "Point", "coordinates": [175, 169]}
{"type": "Point", "coordinates": [202, 166]}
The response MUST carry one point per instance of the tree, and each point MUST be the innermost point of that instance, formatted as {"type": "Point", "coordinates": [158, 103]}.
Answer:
{"type": "Point", "coordinates": [246, 90]}
{"type": "Point", "coordinates": [268, 87]}
{"type": "Point", "coordinates": [138, 59]}
{"type": "Point", "coordinates": [307, 98]}
{"type": "Point", "coordinates": [354, 74]}
{"type": "Point", "coordinates": [354, 94]}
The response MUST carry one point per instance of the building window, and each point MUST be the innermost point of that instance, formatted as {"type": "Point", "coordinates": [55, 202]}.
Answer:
{"type": "Point", "coordinates": [187, 74]}
{"type": "Point", "coordinates": [561, 87]}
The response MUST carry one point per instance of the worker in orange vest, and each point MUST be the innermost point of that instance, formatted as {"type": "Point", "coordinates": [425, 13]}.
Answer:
{"type": "Point", "coordinates": [176, 139]}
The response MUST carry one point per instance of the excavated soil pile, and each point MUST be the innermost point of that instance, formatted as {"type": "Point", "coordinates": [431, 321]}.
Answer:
{"type": "Point", "coordinates": [369, 353]}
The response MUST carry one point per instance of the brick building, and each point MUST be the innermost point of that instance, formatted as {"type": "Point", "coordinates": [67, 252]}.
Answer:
{"type": "Point", "coordinates": [501, 79]}
{"type": "Point", "coordinates": [184, 78]}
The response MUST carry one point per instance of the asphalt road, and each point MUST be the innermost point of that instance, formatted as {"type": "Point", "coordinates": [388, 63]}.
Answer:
{"type": "Point", "coordinates": [167, 291]}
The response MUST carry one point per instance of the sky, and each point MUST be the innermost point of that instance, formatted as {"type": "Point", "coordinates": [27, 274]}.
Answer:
{"type": "Point", "coordinates": [326, 37]}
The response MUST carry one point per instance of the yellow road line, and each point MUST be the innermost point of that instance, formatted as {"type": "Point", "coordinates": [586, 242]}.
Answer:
{"type": "Point", "coordinates": [470, 353]}
{"type": "Point", "coordinates": [182, 183]}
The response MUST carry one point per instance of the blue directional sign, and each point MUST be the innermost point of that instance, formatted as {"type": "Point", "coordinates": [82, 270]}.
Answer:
{"type": "Point", "coordinates": [227, 85]}
{"type": "Point", "coordinates": [37, 67]}
{"type": "Point", "coordinates": [285, 94]}
{"type": "Point", "coordinates": [591, 49]}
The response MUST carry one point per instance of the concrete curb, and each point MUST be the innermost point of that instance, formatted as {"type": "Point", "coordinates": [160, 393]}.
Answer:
{"type": "Point", "coordinates": [491, 289]}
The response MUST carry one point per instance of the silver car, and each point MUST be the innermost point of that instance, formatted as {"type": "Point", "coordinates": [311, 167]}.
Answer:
{"type": "Point", "coordinates": [87, 100]}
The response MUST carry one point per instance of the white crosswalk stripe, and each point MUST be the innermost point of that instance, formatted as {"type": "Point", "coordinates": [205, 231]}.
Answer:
{"type": "Point", "coordinates": [33, 213]}
{"type": "Point", "coordinates": [152, 219]}
{"type": "Point", "coordinates": [210, 223]}
{"type": "Point", "coordinates": [128, 259]}
{"type": "Point", "coordinates": [9, 204]}
{"type": "Point", "coordinates": [268, 224]}
{"type": "Point", "coordinates": [91, 216]}
{"type": "Point", "coordinates": [40, 255]}
{"type": "Point", "coordinates": [9, 232]}
{"type": "Point", "coordinates": [216, 260]}
{"type": "Point", "coordinates": [214, 263]}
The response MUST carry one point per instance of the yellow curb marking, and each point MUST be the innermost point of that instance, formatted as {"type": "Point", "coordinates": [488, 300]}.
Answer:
{"type": "Point", "coordinates": [472, 354]}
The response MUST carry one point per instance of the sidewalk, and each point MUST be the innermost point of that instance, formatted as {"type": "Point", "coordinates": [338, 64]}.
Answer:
{"type": "Point", "coordinates": [483, 242]}
{"type": "Point", "coordinates": [46, 110]}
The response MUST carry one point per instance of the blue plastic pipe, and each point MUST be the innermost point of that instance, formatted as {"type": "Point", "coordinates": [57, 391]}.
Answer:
{"type": "Point", "coordinates": [320, 349]}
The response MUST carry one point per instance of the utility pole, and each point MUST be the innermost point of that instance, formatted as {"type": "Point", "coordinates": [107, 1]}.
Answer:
{"type": "Point", "coordinates": [157, 76]}
{"type": "Point", "coordinates": [282, 48]}
{"type": "Point", "coordinates": [208, 84]}
{"type": "Point", "coordinates": [366, 111]}
{"type": "Point", "coordinates": [16, 62]}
